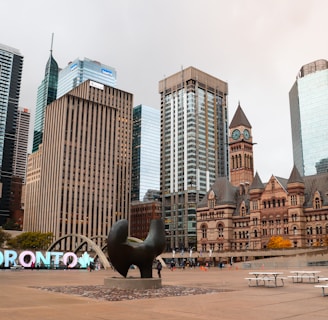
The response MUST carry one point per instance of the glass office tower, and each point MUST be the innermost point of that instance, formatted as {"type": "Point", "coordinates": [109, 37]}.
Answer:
{"type": "Point", "coordinates": [81, 70]}
{"type": "Point", "coordinates": [47, 93]}
{"type": "Point", "coordinates": [309, 118]}
{"type": "Point", "coordinates": [194, 148]}
{"type": "Point", "coordinates": [11, 67]}
{"type": "Point", "coordinates": [145, 151]}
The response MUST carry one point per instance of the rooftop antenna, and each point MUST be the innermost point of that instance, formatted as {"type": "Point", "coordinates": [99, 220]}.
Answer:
{"type": "Point", "coordinates": [52, 42]}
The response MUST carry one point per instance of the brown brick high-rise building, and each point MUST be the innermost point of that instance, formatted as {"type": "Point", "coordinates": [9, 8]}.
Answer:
{"type": "Point", "coordinates": [85, 166]}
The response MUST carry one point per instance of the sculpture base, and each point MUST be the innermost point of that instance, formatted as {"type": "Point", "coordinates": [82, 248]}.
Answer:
{"type": "Point", "coordinates": [133, 283]}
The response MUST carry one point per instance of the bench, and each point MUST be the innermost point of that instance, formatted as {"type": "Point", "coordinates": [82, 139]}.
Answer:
{"type": "Point", "coordinates": [300, 278]}
{"type": "Point", "coordinates": [17, 267]}
{"type": "Point", "coordinates": [266, 281]}
{"type": "Point", "coordinates": [322, 286]}
{"type": "Point", "coordinates": [322, 279]}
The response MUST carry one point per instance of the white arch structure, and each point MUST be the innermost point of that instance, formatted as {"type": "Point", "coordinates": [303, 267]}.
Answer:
{"type": "Point", "coordinates": [103, 259]}
{"type": "Point", "coordinates": [91, 243]}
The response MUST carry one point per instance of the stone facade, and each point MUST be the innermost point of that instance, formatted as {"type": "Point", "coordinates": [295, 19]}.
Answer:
{"type": "Point", "coordinates": [240, 215]}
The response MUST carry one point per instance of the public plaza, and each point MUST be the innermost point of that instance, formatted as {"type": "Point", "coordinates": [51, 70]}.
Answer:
{"type": "Point", "coordinates": [226, 295]}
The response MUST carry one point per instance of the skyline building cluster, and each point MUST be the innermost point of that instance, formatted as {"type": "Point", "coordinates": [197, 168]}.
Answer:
{"type": "Point", "coordinates": [94, 152]}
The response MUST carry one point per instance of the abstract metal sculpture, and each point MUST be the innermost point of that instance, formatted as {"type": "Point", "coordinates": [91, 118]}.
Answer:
{"type": "Point", "coordinates": [124, 253]}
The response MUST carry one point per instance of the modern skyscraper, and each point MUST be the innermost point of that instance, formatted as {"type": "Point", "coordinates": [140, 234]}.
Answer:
{"type": "Point", "coordinates": [81, 70]}
{"type": "Point", "coordinates": [21, 144]}
{"type": "Point", "coordinates": [11, 67]}
{"type": "Point", "coordinates": [194, 148]}
{"type": "Point", "coordinates": [85, 164]}
{"type": "Point", "coordinates": [145, 151]}
{"type": "Point", "coordinates": [308, 100]}
{"type": "Point", "coordinates": [47, 92]}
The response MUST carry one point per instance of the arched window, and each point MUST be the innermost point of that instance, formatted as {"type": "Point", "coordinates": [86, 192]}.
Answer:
{"type": "Point", "coordinates": [317, 200]}
{"type": "Point", "coordinates": [211, 199]}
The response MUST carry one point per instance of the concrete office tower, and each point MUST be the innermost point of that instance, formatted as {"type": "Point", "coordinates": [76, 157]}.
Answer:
{"type": "Point", "coordinates": [85, 167]}
{"type": "Point", "coordinates": [145, 151]}
{"type": "Point", "coordinates": [81, 70]}
{"type": "Point", "coordinates": [194, 148]}
{"type": "Point", "coordinates": [47, 92]}
{"type": "Point", "coordinates": [21, 144]}
{"type": "Point", "coordinates": [308, 99]}
{"type": "Point", "coordinates": [11, 67]}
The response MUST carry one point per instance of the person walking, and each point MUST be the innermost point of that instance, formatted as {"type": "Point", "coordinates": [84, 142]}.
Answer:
{"type": "Point", "coordinates": [159, 269]}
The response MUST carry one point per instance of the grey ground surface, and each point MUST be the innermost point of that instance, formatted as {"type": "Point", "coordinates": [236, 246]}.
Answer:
{"type": "Point", "coordinates": [186, 294]}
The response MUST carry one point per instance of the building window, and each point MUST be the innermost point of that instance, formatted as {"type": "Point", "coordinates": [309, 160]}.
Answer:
{"type": "Point", "coordinates": [255, 205]}
{"type": "Point", "coordinates": [317, 203]}
{"type": "Point", "coordinates": [220, 231]}
{"type": "Point", "coordinates": [293, 200]}
{"type": "Point", "coordinates": [204, 231]}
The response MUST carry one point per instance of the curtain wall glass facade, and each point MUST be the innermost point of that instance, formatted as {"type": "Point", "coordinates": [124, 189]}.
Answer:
{"type": "Point", "coordinates": [145, 151]}
{"type": "Point", "coordinates": [309, 118]}
{"type": "Point", "coordinates": [47, 93]}
{"type": "Point", "coordinates": [11, 67]}
{"type": "Point", "coordinates": [81, 70]}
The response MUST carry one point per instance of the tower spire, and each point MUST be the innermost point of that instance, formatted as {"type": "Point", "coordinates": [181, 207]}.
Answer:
{"type": "Point", "coordinates": [52, 42]}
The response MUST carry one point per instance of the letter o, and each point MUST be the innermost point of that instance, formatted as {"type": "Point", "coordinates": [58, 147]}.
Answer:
{"type": "Point", "coordinates": [70, 254]}
{"type": "Point", "coordinates": [23, 255]}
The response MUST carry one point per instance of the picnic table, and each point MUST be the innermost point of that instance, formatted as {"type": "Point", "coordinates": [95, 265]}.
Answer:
{"type": "Point", "coordinates": [310, 275]}
{"type": "Point", "coordinates": [266, 278]}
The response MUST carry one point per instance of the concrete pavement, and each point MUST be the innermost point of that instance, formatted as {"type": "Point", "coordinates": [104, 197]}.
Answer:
{"type": "Point", "coordinates": [20, 300]}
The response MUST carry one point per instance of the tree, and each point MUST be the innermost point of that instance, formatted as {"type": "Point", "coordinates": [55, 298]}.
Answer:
{"type": "Point", "coordinates": [278, 242]}
{"type": "Point", "coordinates": [4, 236]}
{"type": "Point", "coordinates": [31, 240]}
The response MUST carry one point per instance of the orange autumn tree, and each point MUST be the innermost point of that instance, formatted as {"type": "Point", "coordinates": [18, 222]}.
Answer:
{"type": "Point", "coordinates": [278, 242]}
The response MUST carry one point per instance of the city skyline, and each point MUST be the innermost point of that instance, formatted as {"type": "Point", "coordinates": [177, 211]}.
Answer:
{"type": "Point", "coordinates": [256, 47]}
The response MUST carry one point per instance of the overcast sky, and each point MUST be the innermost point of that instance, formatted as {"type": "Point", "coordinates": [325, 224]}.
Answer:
{"type": "Point", "coordinates": [257, 46]}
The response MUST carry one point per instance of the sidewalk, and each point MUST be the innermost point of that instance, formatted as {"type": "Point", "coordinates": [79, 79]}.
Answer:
{"type": "Point", "coordinates": [19, 300]}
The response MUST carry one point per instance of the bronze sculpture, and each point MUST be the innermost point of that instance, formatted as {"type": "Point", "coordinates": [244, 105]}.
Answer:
{"type": "Point", "coordinates": [123, 253]}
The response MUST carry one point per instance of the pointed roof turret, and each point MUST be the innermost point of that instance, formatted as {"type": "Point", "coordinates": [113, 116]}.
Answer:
{"type": "Point", "coordinates": [295, 176]}
{"type": "Point", "coordinates": [239, 119]}
{"type": "Point", "coordinates": [224, 192]}
{"type": "Point", "coordinates": [257, 182]}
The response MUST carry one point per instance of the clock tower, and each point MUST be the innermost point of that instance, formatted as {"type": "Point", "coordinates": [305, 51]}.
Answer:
{"type": "Point", "coordinates": [241, 150]}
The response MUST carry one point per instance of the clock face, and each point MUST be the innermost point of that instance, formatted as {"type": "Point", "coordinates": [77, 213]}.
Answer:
{"type": "Point", "coordinates": [246, 134]}
{"type": "Point", "coordinates": [235, 134]}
